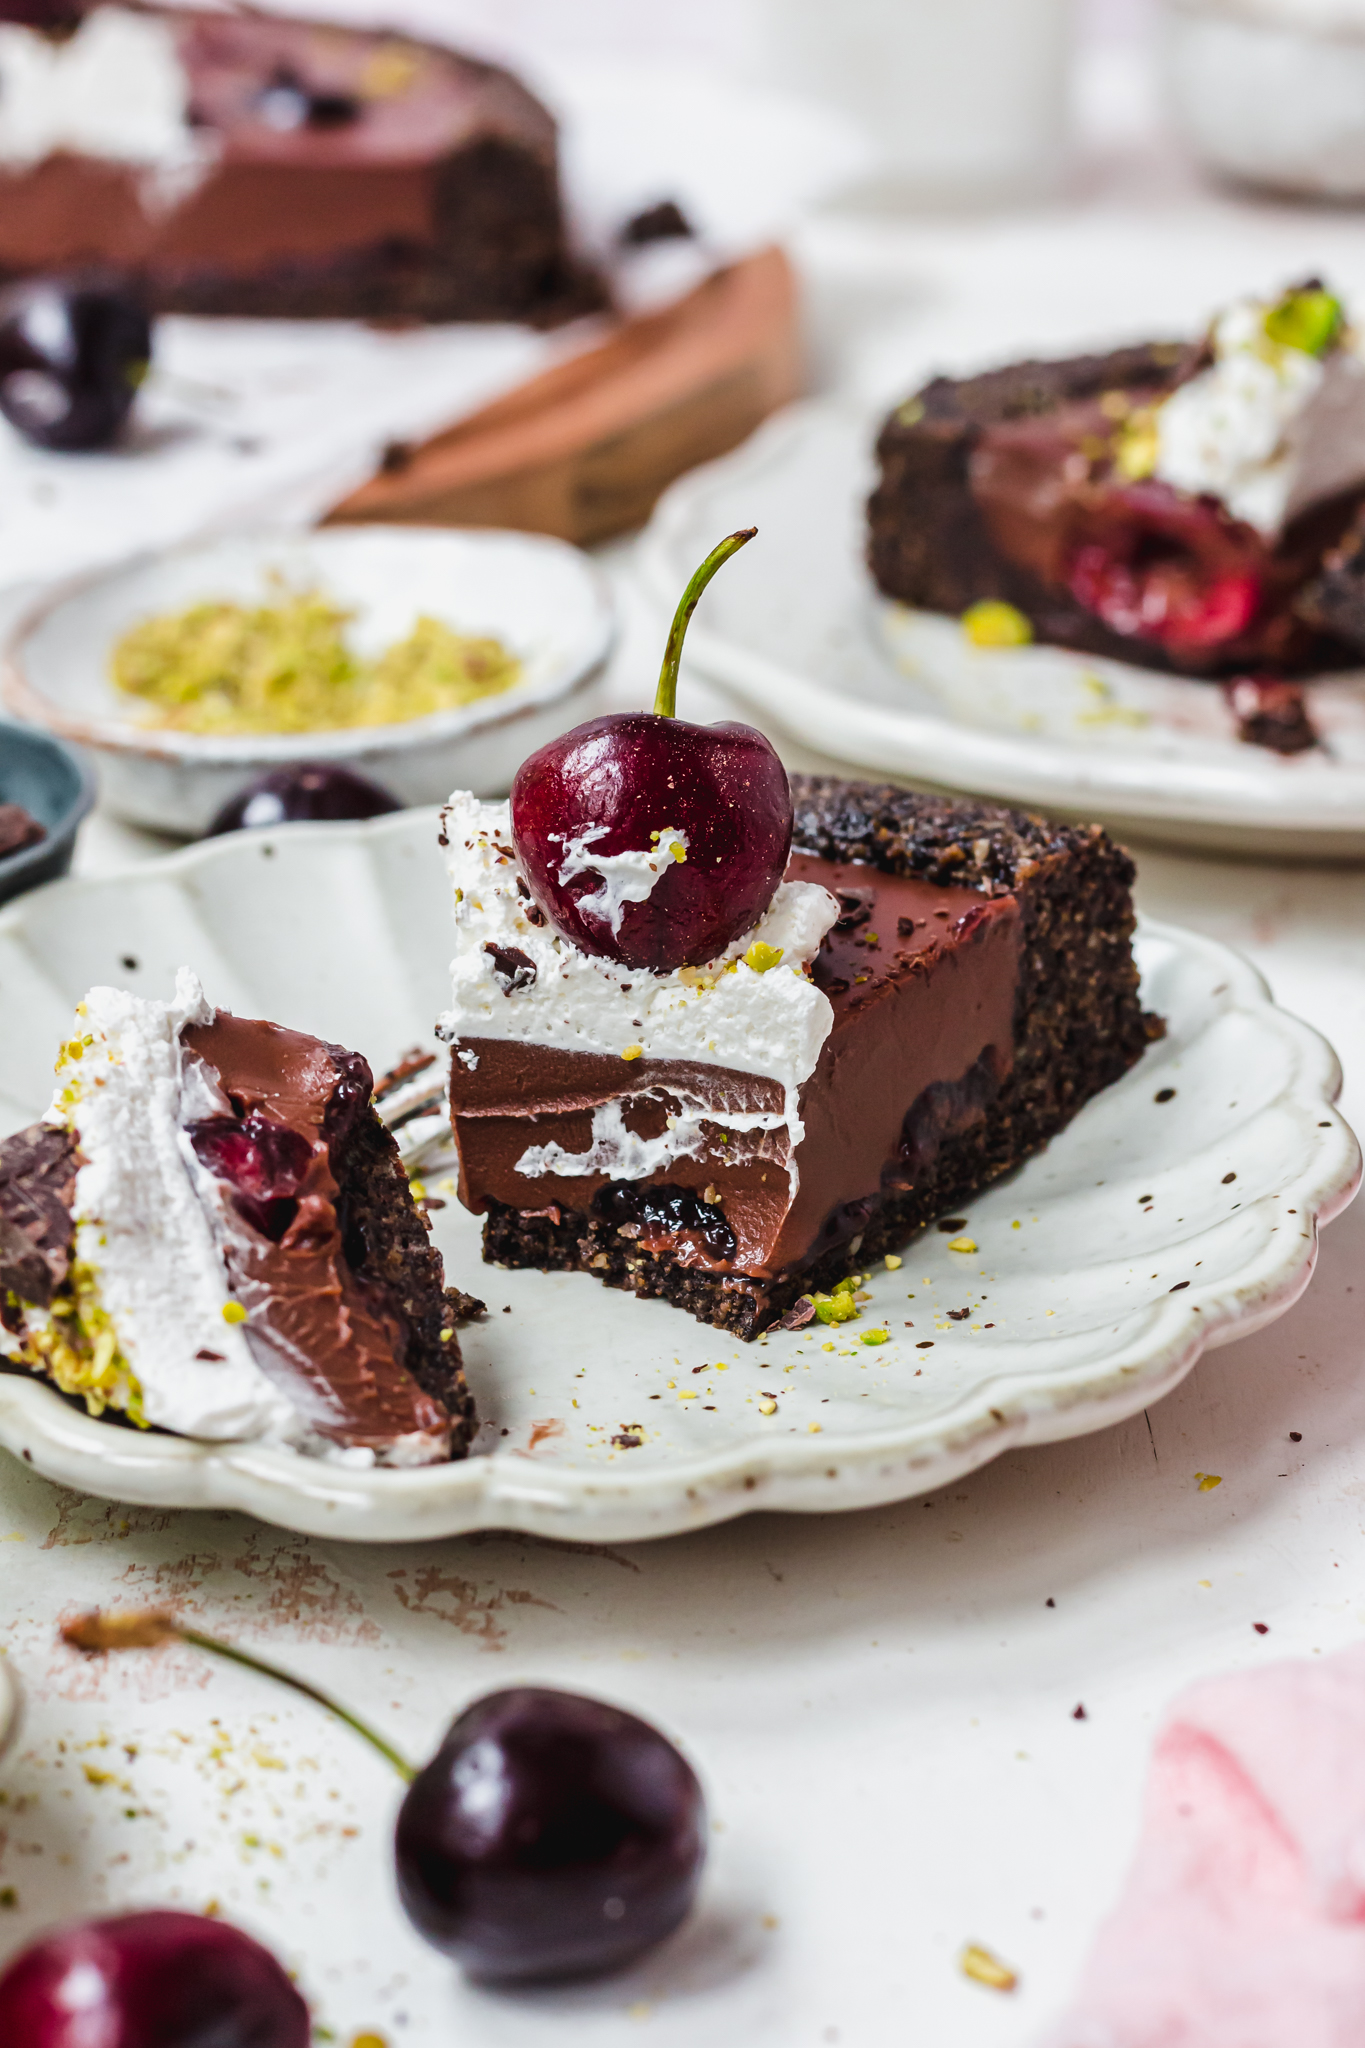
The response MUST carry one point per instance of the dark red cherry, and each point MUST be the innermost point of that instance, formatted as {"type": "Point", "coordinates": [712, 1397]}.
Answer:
{"type": "Point", "coordinates": [72, 355]}
{"type": "Point", "coordinates": [150, 1980]}
{"type": "Point", "coordinates": [550, 1836]}
{"type": "Point", "coordinates": [650, 786]}
{"type": "Point", "coordinates": [295, 795]}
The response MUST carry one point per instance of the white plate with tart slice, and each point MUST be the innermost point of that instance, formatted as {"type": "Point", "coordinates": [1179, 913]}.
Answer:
{"type": "Point", "coordinates": [1178, 1211]}
{"type": "Point", "coordinates": [799, 633]}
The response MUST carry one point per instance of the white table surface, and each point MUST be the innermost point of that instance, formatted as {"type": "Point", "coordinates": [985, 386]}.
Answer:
{"type": "Point", "coordinates": [881, 1704]}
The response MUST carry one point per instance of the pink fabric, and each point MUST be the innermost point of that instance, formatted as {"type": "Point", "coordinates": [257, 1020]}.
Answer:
{"type": "Point", "coordinates": [1243, 1921]}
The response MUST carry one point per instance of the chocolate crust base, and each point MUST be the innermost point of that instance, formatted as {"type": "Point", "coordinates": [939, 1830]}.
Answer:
{"type": "Point", "coordinates": [387, 1242]}
{"type": "Point", "coordinates": [929, 544]}
{"type": "Point", "coordinates": [1079, 1025]}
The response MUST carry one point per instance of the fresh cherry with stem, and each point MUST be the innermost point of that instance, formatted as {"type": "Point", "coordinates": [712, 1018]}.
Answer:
{"type": "Point", "coordinates": [649, 840]}
{"type": "Point", "coordinates": [551, 1836]}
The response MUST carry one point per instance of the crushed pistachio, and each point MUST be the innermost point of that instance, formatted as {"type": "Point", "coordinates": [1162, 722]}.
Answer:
{"type": "Point", "coordinates": [233, 1312]}
{"type": "Point", "coordinates": [761, 957]}
{"type": "Point", "coordinates": [893, 1264]}
{"type": "Point", "coordinates": [875, 1337]}
{"type": "Point", "coordinates": [286, 666]}
{"type": "Point", "coordinates": [962, 1244]}
{"type": "Point", "coordinates": [911, 413]}
{"type": "Point", "coordinates": [1138, 445]}
{"type": "Point", "coordinates": [767, 1407]}
{"type": "Point", "coordinates": [632, 1052]}
{"type": "Point", "coordinates": [993, 623]}
{"type": "Point", "coordinates": [838, 1307]}
{"type": "Point", "coordinates": [1308, 320]}
{"type": "Point", "coordinates": [1208, 1480]}
{"type": "Point", "coordinates": [77, 1347]}
{"type": "Point", "coordinates": [983, 1968]}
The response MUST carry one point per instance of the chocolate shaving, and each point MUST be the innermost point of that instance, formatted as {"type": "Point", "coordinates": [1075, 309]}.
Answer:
{"type": "Point", "coordinates": [37, 1189]}
{"type": "Point", "coordinates": [512, 969]}
{"type": "Point", "coordinates": [798, 1315]}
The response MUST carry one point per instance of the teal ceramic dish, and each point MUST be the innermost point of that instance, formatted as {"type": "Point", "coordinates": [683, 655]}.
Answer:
{"type": "Point", "coordinates": [56, 788]}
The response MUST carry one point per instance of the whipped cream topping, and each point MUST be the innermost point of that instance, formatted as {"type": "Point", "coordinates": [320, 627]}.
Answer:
{"type": "Point", "coordinates": [1267, 428]}
{"type": "Point", "coordinates": [728, 1014]}
{"type": "Point", "coordinates": [140, 1225]}
{"type": "Point", "coordinates": [630, 877]}
{"type": "Point", "coordinates": [114, 89]}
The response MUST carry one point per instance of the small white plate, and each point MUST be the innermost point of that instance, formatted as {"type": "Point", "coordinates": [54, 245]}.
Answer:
{"type": "Point", "coordinates": [1086, 1302]}
{"type": "Point", "coordinates": [542, 598]}
{"type": "Point", "coordinates": [795, 626]}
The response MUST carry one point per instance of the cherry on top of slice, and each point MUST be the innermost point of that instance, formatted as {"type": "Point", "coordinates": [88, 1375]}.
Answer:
{"type": "Point", "coordinates": [701, 813]}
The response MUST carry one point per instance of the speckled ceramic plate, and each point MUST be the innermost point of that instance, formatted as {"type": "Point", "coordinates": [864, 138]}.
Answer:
{"type": "Point", "coordinates": [796, 628]}
{"type": "Point", "coordinates": [1179, 1210]}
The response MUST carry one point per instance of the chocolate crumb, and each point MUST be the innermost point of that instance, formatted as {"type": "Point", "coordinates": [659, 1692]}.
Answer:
{"type": "Point", "coordinates": [1049, 1602]}
{"type": "Point", "coordinates": [925, 1344]}
{"type": "Point", "coordinates": [958, 1315]}
{"type": "Point", "coordinates": [1262, 1628]}
{"type": "Point", "coordinates": [947, 1223]}
{"type": "Point", "coordinates": [210, 1357]}
{"type": "Point", "coordinates": [1078, 1713]}
{"type": "Point", "coordinates": [1296, 1436]}
{"type": "Point", "coordinates": [1178, 1285]}
{"type": "Point", "coordinates": [1164, 1095]}
{"type": "Point", "coordinates": [1271, 713]}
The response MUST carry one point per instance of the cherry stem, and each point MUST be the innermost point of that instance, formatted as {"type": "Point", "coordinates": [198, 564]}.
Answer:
{"type": "Point", "coordinates": [96, 1633]}
{"type": "Point", "coordinates": [666, 700]}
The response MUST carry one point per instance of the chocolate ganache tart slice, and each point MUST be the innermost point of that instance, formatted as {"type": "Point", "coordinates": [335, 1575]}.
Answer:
{"type": "Point", "coordinates": [909, 995]}
{"type": "Point", "coordinates": [211, 1232]}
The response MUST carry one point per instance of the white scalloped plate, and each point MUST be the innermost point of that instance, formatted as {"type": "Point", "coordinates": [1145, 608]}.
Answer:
{"type": "Point", "coordinates": [795, 627]}
{"type": "Point", "coordinates": [1085, 1302]}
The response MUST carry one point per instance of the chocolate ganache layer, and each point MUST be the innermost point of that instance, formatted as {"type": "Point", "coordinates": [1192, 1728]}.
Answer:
{"type": "Point", "coordinates": [324, 1250]}
{"type": "Point", "coordinates": [982, 988]}
{"type": "Point", "coordinates": [921, 981]}
{"type": "Point", "coordinates": [316, 171]}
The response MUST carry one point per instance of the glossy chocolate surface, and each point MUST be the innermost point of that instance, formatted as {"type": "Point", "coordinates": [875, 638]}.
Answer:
{"type": "Point", "coordinates": [922, 982]}
{"type": "Point", "coordinates": [313, 1323]}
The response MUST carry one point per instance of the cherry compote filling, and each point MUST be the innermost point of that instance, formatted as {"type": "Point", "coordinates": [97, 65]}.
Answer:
{"type": "Point", "coordinates": [659, 1218]}
{"type": "Point", "coordinates": [1170, 569]}
{"type": "Point", "coordinates": [265, 1164]}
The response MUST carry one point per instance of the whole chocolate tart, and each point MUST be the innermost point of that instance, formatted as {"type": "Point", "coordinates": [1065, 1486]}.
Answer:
{"type": "Point", "coordinates": [981, 988]}
{"type": "Point", "coordinates": [307, 170]}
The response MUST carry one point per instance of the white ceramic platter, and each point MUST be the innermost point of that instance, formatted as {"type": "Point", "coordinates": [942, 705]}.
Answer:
{"type": "Point", "coordinates": [1149, 1230]}
{"type": "Point", "coordinates": [795, 626]}
{"type": "Point", "coordinates": [544, 600]}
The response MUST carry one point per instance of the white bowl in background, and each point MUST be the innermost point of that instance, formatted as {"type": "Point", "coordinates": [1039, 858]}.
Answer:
{"type": "Point", "coordinates": [1272, 92]}
{"type": "Point", "coordinates": [543, 599]}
